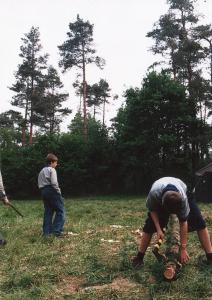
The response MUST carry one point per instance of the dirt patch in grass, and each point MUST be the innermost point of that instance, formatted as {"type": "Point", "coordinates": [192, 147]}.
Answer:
{"type": "Point", "coordinates": [136, 214]}
{"type": "Point", "coordinates": [110, 249]}
{"type": "Point", "coordinates": [68, 285]}
{"type": "Point", "coordinates": [119, 284]}
{"type": "Point", "coordinates": [72, 285]}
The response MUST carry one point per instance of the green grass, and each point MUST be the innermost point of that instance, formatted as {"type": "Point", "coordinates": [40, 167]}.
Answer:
{"type": "Point", "coordinates": [85, 265]}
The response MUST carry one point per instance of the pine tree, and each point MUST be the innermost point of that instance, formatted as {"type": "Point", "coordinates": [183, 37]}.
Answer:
{"type": "Point", "coordinates": [51, 112]}
{"type": "Point", "coordinates": [29, 85]}
{"type": "Point", "coordinates": [98, 94]}
{"type": "Point", "coordinates": [175, 40]}
{"type": "Point", "coordinates": [77, 51]}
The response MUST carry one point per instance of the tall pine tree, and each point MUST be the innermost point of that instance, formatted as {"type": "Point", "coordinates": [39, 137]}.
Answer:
{"type": "Point", "coordinates": [77, 51]}
{"type": "Point", "coordinates": [175, 40]}
{"type": "Point", "coordinates": [29, 85]}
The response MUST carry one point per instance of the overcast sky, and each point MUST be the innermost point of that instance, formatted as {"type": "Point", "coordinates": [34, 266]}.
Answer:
{"type": "Point", "coordinates": [120, 27]}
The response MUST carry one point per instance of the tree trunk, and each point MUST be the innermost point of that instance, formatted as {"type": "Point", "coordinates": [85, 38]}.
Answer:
{"type": "Point", "coordinates": [30, 132]}
{"type": "Point", "coordinates": [25, 120]}
{"type": "Point", "coordinates": [85, 125]}
{"type": "Point", "coordinates": [172, 251]}
{"type": "Point", "coordinates": [23, 138]}
{"type": "Point", "coordinates": [103, 121]}
{"type": "Point", "coordinates": [80, 105]}
{"type": "Point", "coordinates": [23, 134]}
{"type": "Point", "coordinates": [31, 113]}
{"type": "Point", "coordinates": [94, 112]}
{"type": "Point", "coordinates": [173, 64]}
{"type": "Point", "coordinates": [52, 118]}
{"type": "Point", "coordinates": [211, 60]}
{"type": "Point", "coordinates": [193, 132]}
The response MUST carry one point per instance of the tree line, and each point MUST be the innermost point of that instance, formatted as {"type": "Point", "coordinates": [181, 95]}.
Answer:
{"type": "Point", "coordinates": [161, 129]}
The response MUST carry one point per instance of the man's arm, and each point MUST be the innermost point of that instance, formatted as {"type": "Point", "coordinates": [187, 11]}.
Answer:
{"type": "Point", "coordinates": [153, 205]}
{"type": "Point", "coordinates": [154, 215]}
{"type": "Point", "coordinates": [183, 241]}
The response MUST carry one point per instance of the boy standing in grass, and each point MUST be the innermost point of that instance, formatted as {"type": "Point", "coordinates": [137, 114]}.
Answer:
{"type": "Point", "coordinates": [168, 195]}
{"type": "Point", "coordinates": [4, 199]}
{"type": "Point", "coordinates": [54, 212]}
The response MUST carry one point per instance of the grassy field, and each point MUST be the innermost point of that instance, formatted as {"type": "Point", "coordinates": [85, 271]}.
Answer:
{"type": "Point", "coordinates": [93, 261]}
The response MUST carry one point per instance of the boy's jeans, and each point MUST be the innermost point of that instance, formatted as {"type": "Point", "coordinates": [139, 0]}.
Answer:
{"type": "Point", "coordinates": [53, 203]}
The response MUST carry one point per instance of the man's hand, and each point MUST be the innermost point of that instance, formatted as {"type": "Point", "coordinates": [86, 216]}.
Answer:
{"type": "Point", "coordinates": [154, 216]}
{"type": "Point", "coordinates": [5, 201]}
{"type": "Point", "coordinates": [184, 258]}
{"type": "Point", "coordinates": [160, 234]}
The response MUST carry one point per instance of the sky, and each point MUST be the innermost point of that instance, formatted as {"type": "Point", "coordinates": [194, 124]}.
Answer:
{"type": "Point", "coordinates": [120, 28]}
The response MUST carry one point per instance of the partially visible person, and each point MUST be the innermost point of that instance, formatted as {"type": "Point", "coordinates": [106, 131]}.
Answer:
{"type": "Point", "coordinates": [4, 199]}
{"type": "Point", "coordinates": [168, 195]}
{"type": "Point", "coordinates": [54, 212]}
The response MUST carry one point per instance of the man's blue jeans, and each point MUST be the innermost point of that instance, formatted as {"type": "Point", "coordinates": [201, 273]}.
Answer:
{"type": "Point", "coordinates": [54, 212]}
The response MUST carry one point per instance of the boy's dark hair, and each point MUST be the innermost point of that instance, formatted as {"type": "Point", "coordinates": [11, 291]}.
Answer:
{"type": "Point", "coordinates": [172, 202]}
{"type": "Point", "coordinates": [51, 158]}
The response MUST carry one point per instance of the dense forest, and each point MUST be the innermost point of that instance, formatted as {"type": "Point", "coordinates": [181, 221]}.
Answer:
{"type": "Point", "coordinates": [163, 128]}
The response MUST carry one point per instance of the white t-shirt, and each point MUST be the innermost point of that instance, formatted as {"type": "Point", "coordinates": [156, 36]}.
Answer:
{"type": "Point", "coordinates": [154, 198]}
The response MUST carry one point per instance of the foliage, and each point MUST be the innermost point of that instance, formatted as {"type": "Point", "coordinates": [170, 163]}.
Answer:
{"type": "Point", "coordinates": [98, 94]}
{"type": "Point", "coordinates": [178, 37]}
{"type": "Point", "coordinates": [50, 109]}
{"type": "Point", "coordinates": [152, 131]}
{"type": "Point", "coordinates": [77, 49]}
{"type": "Point", "coordinates": [10, 128]}
{"type": "Point", "coordinates": [84, 167]}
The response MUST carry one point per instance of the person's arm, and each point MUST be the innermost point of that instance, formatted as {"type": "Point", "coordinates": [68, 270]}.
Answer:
{"type": "Point", "coordinates": [154, 215]}
{"type": "Point", "coordinates": [54, 181]}
{"type": "Point", "coordinates": [183, 242]}
{"type": "Point", "coordinates": [3, 195]}
{"type": "Point", "coordinates": [152, 204]}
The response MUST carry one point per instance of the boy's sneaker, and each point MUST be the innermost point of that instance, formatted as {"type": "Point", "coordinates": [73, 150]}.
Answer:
{"type": "Point", "coordinates": [3, 242]}
{"type": "Point", "coordinates": [61, 235]}
{"type": "Point", "coordinates": [137, 262]}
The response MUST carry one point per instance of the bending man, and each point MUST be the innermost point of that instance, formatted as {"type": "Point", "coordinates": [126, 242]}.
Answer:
{"type": "Point", "coordinates": [168, 196]}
